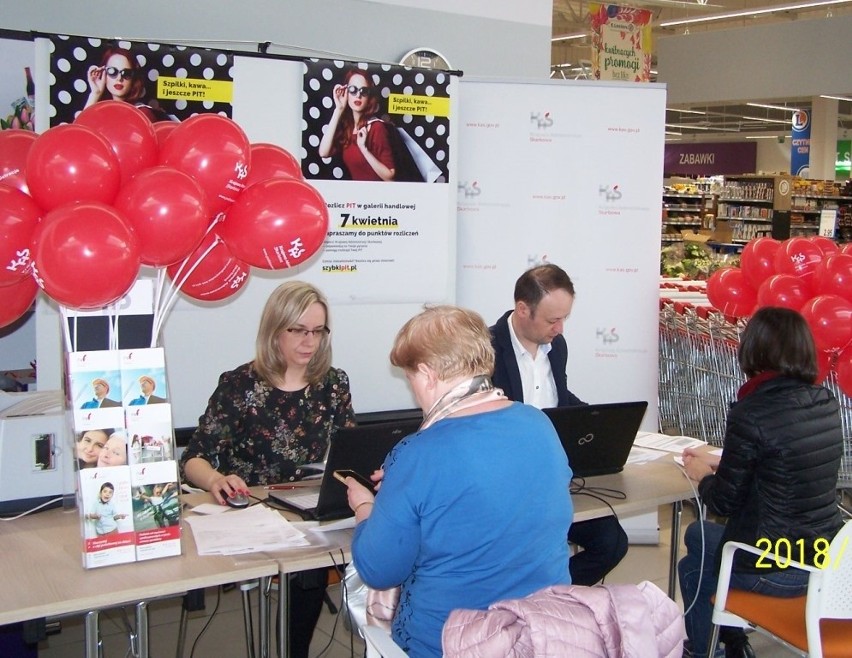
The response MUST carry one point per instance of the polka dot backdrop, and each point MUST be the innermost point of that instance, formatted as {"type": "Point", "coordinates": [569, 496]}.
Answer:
{"type": "Point", "coordinates": [430, 132]}
{"type": "Point", "coordinates": [71, 58]}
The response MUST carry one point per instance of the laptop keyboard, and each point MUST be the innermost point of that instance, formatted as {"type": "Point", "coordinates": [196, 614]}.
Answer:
{"type": "Point", "coordinates": [304, 500]}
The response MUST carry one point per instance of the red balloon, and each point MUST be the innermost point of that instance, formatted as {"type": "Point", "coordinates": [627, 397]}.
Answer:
{"type": "Point", "coordinates": [19, 216]}
{"type": "Point", "coordinates": [167, 210]}
{"type": "Point", "coordinates": [86, 255]}
{"type": "Point", "coordinates": [783, 290]}
{"type": "Point", "coordinates": [843, 368]}
{"type": "Point", "coordinates": [215, 152]}
{"type": "Point", "coordinates": [276, 224]}
{"type": "Point", "coordinates": [128, 131]}
{"type": "Point", "coordinates": [800, 257]}
{"type": "Point", "coordinates": [758, 260]}
{"type": "Point", "coordinates": [834, 275]}
{"type": "Point", "coordinates": [827, 245]}
{"type": "Point", "coordinates": [271, 161]}
{"type": "Point", "coordinates": [729, 292]}
{"type": "Point", "coordinates": [72, 163]}
{"type": "Point", "coordinates": [15, 146]}
{"type": "Point", "coordinates": [162, 129]}
{"type": "Point", "coordinates": [217, 275]}
{"type": "Point", "coordinates": [15, 300]}
{"type": "Point", "coordinates": [830, 320]}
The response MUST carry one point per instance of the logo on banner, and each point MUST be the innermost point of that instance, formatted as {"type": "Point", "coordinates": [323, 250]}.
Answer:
{"type": "Point", "coordinates": [606, 336]}
{"type": "Point", "coordinates": [541, 120]}
{"type": "Point", "coordinates": [801, 120]}
{"type": "Point", "coordinates": [609, 193]}
{"type": "Point", "coordinates": [469, 190]}
{"type": "Point", "coordinates": [534, 260]}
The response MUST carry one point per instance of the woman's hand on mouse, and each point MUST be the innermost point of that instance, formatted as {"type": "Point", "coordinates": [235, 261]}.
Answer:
{"type": "Point", "coordinates": [226, 486]}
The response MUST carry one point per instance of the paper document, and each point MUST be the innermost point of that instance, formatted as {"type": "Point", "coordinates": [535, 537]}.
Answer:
{"type": "Point", "coordinates": [251, 530]}
{"type": "Point", "coordinates": [642, 455]}
{"type": "Point", "coordinates": [667, 443]}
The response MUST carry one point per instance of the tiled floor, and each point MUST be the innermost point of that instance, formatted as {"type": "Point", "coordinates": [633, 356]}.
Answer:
{"type": "Point", "coordinates": [224, 637]}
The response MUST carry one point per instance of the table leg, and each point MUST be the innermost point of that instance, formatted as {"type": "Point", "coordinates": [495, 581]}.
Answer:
{"type": "Point", "coordinates": [93, 636]}
{"type": "Point", "coordinates": [142, 628]}
{"type": "Point", "coordinates": [263, 615]}
{"type": "Point", "coordinates": [283, 615]}
{"type": "Point", "coordinates": [677, 513]}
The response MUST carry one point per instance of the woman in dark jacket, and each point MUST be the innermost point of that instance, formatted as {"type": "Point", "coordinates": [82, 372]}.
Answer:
{"type": "Point", "coordinates": [776, 478]}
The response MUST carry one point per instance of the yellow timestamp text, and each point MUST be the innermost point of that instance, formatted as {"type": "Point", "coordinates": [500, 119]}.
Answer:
{"type": "Point", "coordinates": [783, 553]}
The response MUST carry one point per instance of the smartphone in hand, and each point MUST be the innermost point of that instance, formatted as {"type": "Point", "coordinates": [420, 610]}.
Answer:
{"type": "Point", "coordinates": [347, 473]}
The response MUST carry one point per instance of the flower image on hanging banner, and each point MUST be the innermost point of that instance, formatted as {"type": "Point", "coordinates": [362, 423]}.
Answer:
{"type": "Point", "coordinates": [621, 43]}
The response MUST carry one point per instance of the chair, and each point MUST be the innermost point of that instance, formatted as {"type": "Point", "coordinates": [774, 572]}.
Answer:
{"type": "Point", "coordinates": [817, 624]}
{"type": "Point", "coordinates": [380, 643]}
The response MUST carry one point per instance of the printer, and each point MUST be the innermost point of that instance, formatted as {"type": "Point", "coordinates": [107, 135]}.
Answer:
{"type": "Point", "coordinates": [36, 452]}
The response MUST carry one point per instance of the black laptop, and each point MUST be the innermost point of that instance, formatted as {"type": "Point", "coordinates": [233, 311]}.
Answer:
{"type": "Point", "coordinates": [597, 437]}
{"type": "Point", "coordinates": [362, 449]}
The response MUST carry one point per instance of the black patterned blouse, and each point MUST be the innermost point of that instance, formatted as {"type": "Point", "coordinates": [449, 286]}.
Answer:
{"type": "Point", "coordinates": [260, 433]}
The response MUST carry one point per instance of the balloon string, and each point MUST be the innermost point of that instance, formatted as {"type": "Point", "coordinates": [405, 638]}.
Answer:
{"type": "Point", "coordinates": [158, 298]}
{"type": "Point", "coordinates": [177, 283]}
{"type": "Point", "coordinates": [161, 307]}
{"type": "Point", "coordinates": [70, 345]}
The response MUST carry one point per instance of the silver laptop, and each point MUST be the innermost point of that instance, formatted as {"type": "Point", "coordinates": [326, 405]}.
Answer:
{"type": "Point", "coordinates": [362, 449]}
{"type": "Point", "coordinates": [597, 437]}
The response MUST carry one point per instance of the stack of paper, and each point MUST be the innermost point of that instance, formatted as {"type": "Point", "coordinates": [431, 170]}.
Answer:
{"type": "Point", "coordinates": [254, 529]}
{"type": "Point", "coordinates": [676, 444]}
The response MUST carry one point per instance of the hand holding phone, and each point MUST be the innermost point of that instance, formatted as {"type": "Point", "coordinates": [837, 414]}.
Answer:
{"type": "Point", "coordinates": [360, 479]}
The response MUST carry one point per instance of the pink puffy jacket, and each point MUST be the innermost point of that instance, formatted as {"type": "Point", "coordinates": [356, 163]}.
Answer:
{"type": "Point", "coordinates": [617, 621]}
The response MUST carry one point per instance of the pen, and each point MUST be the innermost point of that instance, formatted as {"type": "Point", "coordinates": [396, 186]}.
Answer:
{"type": "Point", "coordinates": [281, 487]}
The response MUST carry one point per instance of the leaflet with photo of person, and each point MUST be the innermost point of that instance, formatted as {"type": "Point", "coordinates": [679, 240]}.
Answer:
{"type": "Point", "coordinates": [106, 514]}
{"type": "Point", "coordinates": [156, 509]}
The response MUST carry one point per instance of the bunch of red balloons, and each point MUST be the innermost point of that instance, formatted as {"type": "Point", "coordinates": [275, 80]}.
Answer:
{"type": "Point", "coordinates": [810, 275]}
{"type": "Point", "coordinates": [85, 205]}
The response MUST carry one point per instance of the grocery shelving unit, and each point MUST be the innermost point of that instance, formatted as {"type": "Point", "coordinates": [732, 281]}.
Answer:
{"type": "Point", "coordinates": [756, 205]}
{"type": "Point", "coordinates": [821, 208]}
{"type": "Point", "coordinates": [686, 206]}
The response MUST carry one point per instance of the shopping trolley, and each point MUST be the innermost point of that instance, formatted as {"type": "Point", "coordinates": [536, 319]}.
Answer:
{"type": "Point", "coordinates": [700, 374]}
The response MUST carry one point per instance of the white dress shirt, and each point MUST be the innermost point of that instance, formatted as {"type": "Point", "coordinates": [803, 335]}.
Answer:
{"type": "Point", "coordinates": [536, 374]}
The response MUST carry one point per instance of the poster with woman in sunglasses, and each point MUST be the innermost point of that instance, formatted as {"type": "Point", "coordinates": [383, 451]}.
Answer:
{"type": "Point", "coordinates": [374, 123]}
{"type": "Point", "coordinates": [119, 77]}
{"type": "Point", "coordinates": [168, 83]}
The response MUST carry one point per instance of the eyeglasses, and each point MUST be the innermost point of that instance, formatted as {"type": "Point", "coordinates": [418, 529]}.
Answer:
{"type": "Point", "coordinates": [358, 91]}
{"type": "Point", "coordinates": [313, 333]}
{"type": "Point", "coordinates": [113, 73]}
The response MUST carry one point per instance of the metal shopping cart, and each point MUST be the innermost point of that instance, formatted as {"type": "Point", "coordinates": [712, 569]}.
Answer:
{"type": "Point", "coordinates": [700, 375]}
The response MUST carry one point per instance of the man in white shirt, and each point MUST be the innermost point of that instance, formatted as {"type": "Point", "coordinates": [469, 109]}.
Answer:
{"type": "Point", "coordinates": [530, 367]}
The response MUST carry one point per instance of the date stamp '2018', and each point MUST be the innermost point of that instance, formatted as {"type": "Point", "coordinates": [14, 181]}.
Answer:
{"type": "Point", "coordinates": [784, 553]}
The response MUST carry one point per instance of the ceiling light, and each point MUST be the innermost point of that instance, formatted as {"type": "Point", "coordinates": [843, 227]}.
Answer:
{"type": "Point", "coordinates": [837, 98]}
{"type": "Point", "coordinates": [774, 107]}
{"type": "Point", "coordinates": [686, 126]}
{"type": "Point", "coordinates": [761, 136]}
{"type": "Point", "coordinates": [672, 132]}
{"type": "Point", "coordinates": [672, 109]}
{"type": "Point", "coordinates": [569, 37]}
{"type": "Point", "coordinates": [753, 12]}
{"type": "Point", "coordinates": [786, 123]}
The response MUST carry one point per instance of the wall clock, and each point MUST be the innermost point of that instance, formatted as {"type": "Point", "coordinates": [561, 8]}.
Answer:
{"type": "Point", "coordinates": [425, 58]}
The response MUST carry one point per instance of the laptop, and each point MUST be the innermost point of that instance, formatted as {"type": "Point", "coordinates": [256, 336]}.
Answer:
{"type": "Point", "coordinates": [597, 437]}
{"type": "Point", "coordinates": [362, 449]}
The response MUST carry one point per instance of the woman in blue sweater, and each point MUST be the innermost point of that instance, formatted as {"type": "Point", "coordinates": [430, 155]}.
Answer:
{"type": "Point", "coordinates": [474, 507]}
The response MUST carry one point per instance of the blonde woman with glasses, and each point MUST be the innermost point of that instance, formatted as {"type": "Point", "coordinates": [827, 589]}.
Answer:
{"type": "Point", "coordinates": [270, 416]}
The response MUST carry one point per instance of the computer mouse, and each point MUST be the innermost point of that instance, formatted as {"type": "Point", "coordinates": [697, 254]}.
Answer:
{"type": "Point", "coordinates": [238, 501]}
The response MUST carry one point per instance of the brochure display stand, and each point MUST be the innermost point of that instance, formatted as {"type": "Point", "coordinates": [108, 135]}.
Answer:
{"type": "Point", "coordinates": [127, 484]}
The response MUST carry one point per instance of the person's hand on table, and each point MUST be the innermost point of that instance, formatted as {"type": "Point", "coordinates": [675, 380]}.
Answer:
{"type": "Point", "coordinates": [699, 464]}
{"type": "Point", "coordinates": [360, 499]}
{"type": "Point", "coordinates": [226, 486]}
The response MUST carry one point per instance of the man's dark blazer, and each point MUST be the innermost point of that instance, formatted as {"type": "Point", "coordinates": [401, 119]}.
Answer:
{"type": "Point", "coordinates": [507, 375]}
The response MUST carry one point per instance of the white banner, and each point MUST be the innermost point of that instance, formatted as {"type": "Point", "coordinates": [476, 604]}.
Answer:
{"type": "Point", "coordinates": [568, 172]}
